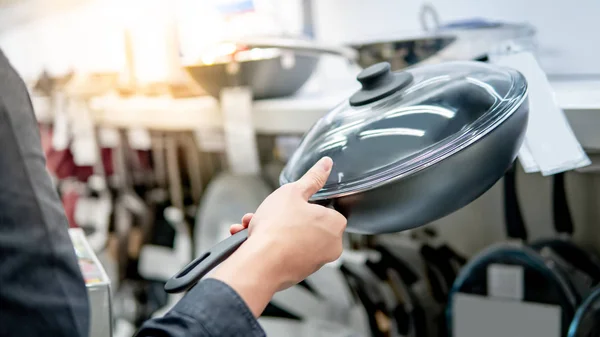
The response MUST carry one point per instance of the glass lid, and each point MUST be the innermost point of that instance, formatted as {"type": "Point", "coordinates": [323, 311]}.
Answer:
{"type": "Point", "coordinates": [402, 122]}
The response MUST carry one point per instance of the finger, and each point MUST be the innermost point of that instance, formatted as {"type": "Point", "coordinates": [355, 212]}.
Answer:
{"type": "Point", "coordinates": [233, 229]}
{"type": "Point", "coordinates": [315, 178]}
{"type": "Point", "coordinates": [246, 219]}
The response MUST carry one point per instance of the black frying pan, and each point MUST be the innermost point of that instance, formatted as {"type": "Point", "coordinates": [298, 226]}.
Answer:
{"type": "Point", "coordinates": [463, 163]}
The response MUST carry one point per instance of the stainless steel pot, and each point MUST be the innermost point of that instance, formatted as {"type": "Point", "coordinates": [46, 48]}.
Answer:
{"type": "Point", "coordinates": [408, 148]}
{"type": "Point", "coordinates": [271, 67]}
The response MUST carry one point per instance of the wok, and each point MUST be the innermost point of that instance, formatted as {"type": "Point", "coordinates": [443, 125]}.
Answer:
{"type": "Point", "coordinates": [408, 148]}
{"type": "Point", "coordinates": [272, 67]}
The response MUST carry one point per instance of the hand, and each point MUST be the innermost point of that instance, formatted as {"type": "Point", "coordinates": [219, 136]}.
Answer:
{"type": "Point", "coordinates": [289, 239]}
{"type": "Point", "coordinates": [233, 229]}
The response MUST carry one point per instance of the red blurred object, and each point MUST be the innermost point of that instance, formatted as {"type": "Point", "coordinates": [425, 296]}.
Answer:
{"type": "Point", "coordinates": [107, 161]}
{"type": "Point", "coordinates": [61, 163]}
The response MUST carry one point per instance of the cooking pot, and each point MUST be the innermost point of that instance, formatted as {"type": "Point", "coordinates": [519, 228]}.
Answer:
{"type": "Point", "coordinates": [408, 148]}
{"type": "Point", "coordinates": [271, 67]}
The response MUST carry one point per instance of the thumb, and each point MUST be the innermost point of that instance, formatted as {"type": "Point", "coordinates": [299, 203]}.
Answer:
{"type": "Point", "coordinates": [315, 178]}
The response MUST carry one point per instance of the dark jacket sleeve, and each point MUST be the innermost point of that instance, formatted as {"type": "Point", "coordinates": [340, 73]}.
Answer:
{"type": "Point", "coordinates": [211, 308]}
{"type": "Point", "coordinates": [42, 292]}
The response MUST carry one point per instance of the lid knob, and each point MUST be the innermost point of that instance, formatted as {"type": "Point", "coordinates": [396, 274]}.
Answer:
{"type": "Point", "coordinates": [378, 81]}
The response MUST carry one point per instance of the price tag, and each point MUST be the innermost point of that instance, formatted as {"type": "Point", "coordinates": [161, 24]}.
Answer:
{"type": "Point", "coordinates": [108, 138]}
{"type": "Point", "coordinates": [549, 138]}
{"type": "Point", "coordinates": [527, 161]}
{"type": "Point", "coordinates": [139, 139]}
{"type": "Point", "coordinates": [85, 211]}
{"type": "Point", "coordinates": [60, 132]}
{"type": "Point", "coordinates": [84, 151]}
{"type": "Point", "coordinates": [476, 316]}
{"type": "Point", "coordinates": [83, 147]}
{"type": "Point", "coordinates": [505, 281]}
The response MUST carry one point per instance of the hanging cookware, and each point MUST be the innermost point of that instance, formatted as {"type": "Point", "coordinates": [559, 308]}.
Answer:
{"type": "Point", "coordinates": [408, 148]}
{"type": "Point", "coordinates": [376, 297]}
{"type": "Point", "coordinates": [548, 276]}
{"type": "Point", "coordinates": [586, 323]}
{"type": "Point", "coordinates": [439, 42]}
{"type": "Point", "coordinates": [442, 259]}
{"type": "Point", "coordinates": [580, 258]}
{"type": "Point", "coordinates": [405, 279]}
{"type": "Point", "coordinates": [271, 67]}
{"type": "Point", "coordinates": [424, 279]}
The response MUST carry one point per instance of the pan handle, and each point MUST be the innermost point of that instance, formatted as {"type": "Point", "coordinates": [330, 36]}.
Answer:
{"type": "Point", "coordinates": [427, 10]}
{"type": "Point", "coordinates": [300, 46]}
{"type": "Point", "coordinates": [195, 270]}
{"type": "Point", "coordinates": [563, 222]}
{"type": "Point", "coordinates": [515, 226]}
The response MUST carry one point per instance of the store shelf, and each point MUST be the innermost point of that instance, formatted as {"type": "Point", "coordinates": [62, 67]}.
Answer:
{"type": "Point", "coordinates": [580, 100]}
{"type": "Point", "coordinates": [286, 115]}
{"type": "Point", "coordinates": [574, 94]}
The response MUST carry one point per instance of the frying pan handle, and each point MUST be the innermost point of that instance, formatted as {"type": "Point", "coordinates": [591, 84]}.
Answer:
{"type": "Point", "coordinates": [515, 226]}
{"type": "Point", "coordinates": [195, 270]}
{"type": "Point", "coordinates": [299, 45]}
{"type": "Point", "coordinates": [563, 222]}
{"type": "Point", "coordinates": [427, 10]}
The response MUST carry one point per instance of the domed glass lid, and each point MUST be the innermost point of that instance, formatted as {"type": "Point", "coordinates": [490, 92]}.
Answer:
{"type": "Point", "coordinates": [402, 122]}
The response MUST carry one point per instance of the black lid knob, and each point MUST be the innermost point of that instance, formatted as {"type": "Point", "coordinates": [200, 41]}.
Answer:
{"type": "Point", "coordinates": [378, 81]}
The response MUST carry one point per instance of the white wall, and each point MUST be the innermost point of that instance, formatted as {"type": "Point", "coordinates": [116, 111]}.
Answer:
{"type": "Point", "coordinates": [76, 38]}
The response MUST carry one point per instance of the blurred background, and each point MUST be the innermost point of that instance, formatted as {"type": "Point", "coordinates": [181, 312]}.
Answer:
{"type": "Point", "coordinates": [164, 121]}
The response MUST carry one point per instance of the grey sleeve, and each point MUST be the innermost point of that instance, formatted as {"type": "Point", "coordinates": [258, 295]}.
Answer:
{"type": "Point", "coordinates": [42, 292]}
{"type": "Point", "coordinates": [210, 309]}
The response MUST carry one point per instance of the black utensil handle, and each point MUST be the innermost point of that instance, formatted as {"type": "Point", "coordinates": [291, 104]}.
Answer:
{"type": "Point", "coordinates": [515, 226]}
{"type": "Point", "coordinates": [563, 222]}
{"type": "Point", "coordinates": [195, 270]}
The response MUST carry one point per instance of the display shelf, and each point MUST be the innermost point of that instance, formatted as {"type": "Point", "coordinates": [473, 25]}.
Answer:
{"type": "Point", "coordinates": [276, 116]}
{"type": "Point", "coordinates": [580, 98]}
{"type": "Point", "coordinates": [574, 94]}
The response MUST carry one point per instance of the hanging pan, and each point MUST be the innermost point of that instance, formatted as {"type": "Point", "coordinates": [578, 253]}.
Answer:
{"type": "Point", "coordinates": [408, 148]}
{"type": "Point", "coordinates": [581, 259]}
{"type": "Point", "coordinates": [586, 323]}
{"type": "Point", "coordinates": [549, 274]}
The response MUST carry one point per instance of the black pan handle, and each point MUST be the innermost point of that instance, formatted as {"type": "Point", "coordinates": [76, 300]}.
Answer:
{"type": "Point", "coordinates": [195, 270]}
{"type": "Point", "coordinates": [515, 226]}
{"type": "Point", "coordinates": [563, 222]}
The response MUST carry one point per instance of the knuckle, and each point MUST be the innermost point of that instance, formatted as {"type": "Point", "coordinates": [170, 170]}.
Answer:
{"type": "Point", "coordinates": [337, 251]}
{"type": "Point", "coordinates": [296, 187]}
{"type": "Point", "coordinates": [317, 180]}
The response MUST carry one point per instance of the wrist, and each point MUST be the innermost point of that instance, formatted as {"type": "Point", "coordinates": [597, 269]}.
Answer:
{"type": "Point", "coordinates": [252, 272]}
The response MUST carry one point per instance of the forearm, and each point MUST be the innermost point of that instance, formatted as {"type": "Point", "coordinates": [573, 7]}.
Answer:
{"type": "Point", "coordinates": [252, 271]}
{"type": "Point", "coordinates": [210, 309]}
